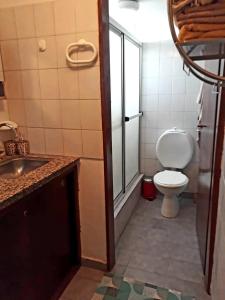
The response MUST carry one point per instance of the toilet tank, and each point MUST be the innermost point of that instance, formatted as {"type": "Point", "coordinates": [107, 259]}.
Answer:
{"type": "Point", "coordinates": [175, 148]}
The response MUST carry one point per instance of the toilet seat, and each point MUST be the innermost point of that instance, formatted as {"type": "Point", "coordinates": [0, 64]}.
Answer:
{"type": "Point", "coordinates": [171, 179]}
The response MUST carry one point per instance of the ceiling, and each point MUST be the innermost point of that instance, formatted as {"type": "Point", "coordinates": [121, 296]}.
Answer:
{"type": "Point", "coordinates": [148, 24]}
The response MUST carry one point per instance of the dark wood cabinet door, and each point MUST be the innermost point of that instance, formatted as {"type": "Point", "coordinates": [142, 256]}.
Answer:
{"type": "Point", "coordinates": [50, 238]}
{"type": "Point", "coordinates": [15, 259]}
{"type": "Point", "coordinates": [38, 242]}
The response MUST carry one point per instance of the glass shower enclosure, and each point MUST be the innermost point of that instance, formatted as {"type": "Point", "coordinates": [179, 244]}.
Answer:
{"type": "Point", "coordinates": [125, 56]}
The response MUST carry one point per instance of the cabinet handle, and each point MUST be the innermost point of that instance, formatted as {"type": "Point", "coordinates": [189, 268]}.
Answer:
{"type": "Point", "coordinates": [62, 182]}
{"type": "Point", "coordinates": [25, 213]}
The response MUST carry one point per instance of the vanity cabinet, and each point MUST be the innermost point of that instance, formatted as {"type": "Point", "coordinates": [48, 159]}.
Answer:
{"type": "Point", "coordinates": [40, 241]}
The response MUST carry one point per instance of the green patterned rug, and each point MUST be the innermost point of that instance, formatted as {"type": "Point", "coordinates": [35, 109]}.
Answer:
{"type": "Point", "coordinates": [114, 287]}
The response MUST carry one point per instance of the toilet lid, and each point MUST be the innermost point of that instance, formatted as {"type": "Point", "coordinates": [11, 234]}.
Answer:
{"type": "Point", "coordinates": [170, 178]}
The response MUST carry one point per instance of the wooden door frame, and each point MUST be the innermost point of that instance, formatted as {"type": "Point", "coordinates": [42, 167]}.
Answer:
{"type": "Point", "coordinates": [103, 12]}
{"type": "Point", "coordinates": [215, 186]}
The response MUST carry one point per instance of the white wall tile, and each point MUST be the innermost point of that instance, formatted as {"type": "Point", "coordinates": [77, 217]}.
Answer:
{"type": "Point", "coordinates": [178, 85]}
{"type": "Point", "coordinates": [165, 85]}
{"type": "Point", "coordinates": [178, 102]}
{"type": "Point", "coordinates": [190, 119]}
{"type": "Point", "coordinates": [150, 151]}
{"type": "Point", "coordinates": [165, 102]}
{"type": "Point", "coordinates": [150, 102]}
{"type": "Point", "coordinates": [165, 66]}
{"type": "Point", "coordinates": [150, 85]}
{"type": "Point", "coordinates": [164, 120]}
{"type": "Point", "coordinates": [150, 119]}
{"type": "Point", "coordinates": [177, 119]}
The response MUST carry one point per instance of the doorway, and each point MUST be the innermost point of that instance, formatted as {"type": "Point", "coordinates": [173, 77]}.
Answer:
{"type": "Point", "coordinates": [146, 207]}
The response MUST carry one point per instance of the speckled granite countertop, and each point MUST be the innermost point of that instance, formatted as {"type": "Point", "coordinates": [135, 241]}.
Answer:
{"type": "Point", "coordinates": [12, 190]}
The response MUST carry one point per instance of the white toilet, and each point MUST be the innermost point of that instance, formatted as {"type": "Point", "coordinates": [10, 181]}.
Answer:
{"type": "Point", "coordinates": [174, 150]}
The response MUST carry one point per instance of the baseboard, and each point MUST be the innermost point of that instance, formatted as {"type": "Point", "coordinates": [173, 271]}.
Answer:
{"type": "Point", "coordinates": [89, 263]}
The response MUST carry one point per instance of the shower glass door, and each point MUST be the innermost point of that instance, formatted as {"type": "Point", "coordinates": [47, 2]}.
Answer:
{"type": "Point", "coordinates": [116, 110]}
{"type": "Point", "coordinates": [132, 106]}
{"type": "Point", "coordinates": [125, 104]}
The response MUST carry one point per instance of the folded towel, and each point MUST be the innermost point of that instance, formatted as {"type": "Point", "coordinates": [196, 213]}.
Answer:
{"type": "Point", "coordinates": [186, 35]}
{"type": "Point", "coordinates": [201, 14]}
{"type": "Point", "coordinates": [208, 20]}
{"type": "Point", "coordinates": [213, 6]}
{"type": "Point", "coordinates": [180, 5]}
{"type": "Point", "coordinates": [204, 27]}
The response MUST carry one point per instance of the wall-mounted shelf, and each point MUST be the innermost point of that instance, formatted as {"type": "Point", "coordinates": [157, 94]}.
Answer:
{"type": "Point", "coordinates": [198, 50]}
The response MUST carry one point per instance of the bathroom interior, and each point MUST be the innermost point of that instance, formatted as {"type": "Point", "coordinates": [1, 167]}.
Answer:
{"type": "Point", "coordinates": [111, 153]}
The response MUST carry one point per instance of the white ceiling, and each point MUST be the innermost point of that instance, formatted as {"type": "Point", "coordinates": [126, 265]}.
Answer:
{"type": "Point", "coordinates": [148, 24]}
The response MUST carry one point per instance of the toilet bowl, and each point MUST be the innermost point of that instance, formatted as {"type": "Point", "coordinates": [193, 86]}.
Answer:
{"type": "Point", "coordinates": [174, 150]}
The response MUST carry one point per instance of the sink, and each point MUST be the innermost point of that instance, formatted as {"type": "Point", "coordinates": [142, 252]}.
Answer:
{"type": "Point", "coordinates": [17, 167]}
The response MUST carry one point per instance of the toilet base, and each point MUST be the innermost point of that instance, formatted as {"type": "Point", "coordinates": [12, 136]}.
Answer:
{"type": "Point", "coordinates": [170, 206]}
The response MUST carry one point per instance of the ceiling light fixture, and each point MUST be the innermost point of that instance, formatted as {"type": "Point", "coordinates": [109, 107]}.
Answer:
{"type": "Point", "coordinates": [130, 4]}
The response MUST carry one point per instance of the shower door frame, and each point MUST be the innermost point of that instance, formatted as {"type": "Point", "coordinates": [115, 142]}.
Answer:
{"type": "Point", "coordinates": [125, 35]}
{"type": "Point", "coordinates": [104, 56]}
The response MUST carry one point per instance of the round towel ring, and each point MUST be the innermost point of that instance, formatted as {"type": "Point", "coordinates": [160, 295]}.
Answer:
{"type": "Point", "coordinates": [195, 69]}
{"type": "Point", "coordinates": [81, 43]}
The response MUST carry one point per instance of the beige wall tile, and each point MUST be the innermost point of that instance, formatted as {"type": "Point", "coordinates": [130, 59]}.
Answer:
{"type": "Point", "coordinates": [70, 114]}
{"type": "Point", "coordinates": [44, 19]}
{"type": "Point", "coordinates": [31, 84]}
{"type": "Point", "coordinates": [90, 37]}
{"type": "Point", "coordinates": [92, 209]}
{"type": "Point", "coordinates": [25, 21]}
{"type": "Point", "coordinates": [86, 15]}
{"type": "Point", "coordinates": [51, 112]}
{"type": "Point", "coordinates": [10, 55]}
{"type": "Point", "coordinates": [68, 84]}
{"type": "Point", "coordinates": [89, 78]}
{"type": "Point", "coordinates": [62, 42]}
{"type": "Point", "coordinates": [7, 24]}
{"type": "Point", "coordinates": [24, 132]}
{"type": "Point", "coordinates": [37, 140]}
{"type": "Point", "coordinates": [54, 141]}
{"type": "Point", "coordinates": [49, 84]}
{"type": "Point", "coordinates": [17, 112]}
{"type": "Point", "coordinates": [72, 141]}
{"type": "Point", "coordinates": [28, 50]}
{"type": "Point", "coordinates": [4, 113]}
{"type": "Point", "coordinates": [33, 113]}
{"type": "Point", "coordinates": [48, 58]}
{"type": "Point", "coordinates": [92, 144]}
{"type": "Point", "coordinates": [64, 16]}
{"type": "Point", "coordinates": [13, 85]}
{"type": "Point", "coordinates": [91, 114]}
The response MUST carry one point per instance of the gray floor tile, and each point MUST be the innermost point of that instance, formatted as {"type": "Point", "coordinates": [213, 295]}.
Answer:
{"type": "Point", "coordinates": [163, 251]}
{"type": "Point", "coordinates": [144, 276]}
{"type": "Point", "coordinates": [186, 271]}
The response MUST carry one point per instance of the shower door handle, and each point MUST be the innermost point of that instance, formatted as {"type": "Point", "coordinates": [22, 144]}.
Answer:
{"type": "Point", "coordinates": [127, 119]}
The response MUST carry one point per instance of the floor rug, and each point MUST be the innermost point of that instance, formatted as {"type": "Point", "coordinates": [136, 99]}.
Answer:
{"type": "Point", "coordinates": [113, 287]}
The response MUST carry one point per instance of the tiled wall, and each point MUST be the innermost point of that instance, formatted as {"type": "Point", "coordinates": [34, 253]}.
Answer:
{"type": "Point", "coordinates": [58, 108]}
{"type": "Point", "coordinates": [218, 286]}
{"type": "Point", "coordinates": [169, 99]}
